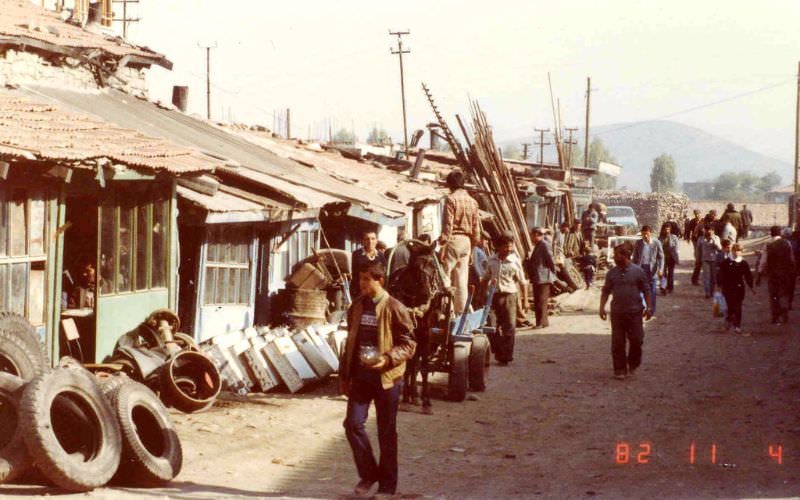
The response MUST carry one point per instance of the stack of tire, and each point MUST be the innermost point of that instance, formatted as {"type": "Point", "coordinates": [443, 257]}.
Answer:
{"type": "Point", "coordinates": [78, 431]}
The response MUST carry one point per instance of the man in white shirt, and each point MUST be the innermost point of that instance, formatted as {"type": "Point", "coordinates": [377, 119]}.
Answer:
{"type": "Point", "coordinates": [505, 273]}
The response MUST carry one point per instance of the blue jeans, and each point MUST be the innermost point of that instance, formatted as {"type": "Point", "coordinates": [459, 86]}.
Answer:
{"type": "Point", "coordinates": [364, 390]}
{"type": "Point", "coordinates": [653, 280]}
{"type": "Point", "coordinates": [709, 280]}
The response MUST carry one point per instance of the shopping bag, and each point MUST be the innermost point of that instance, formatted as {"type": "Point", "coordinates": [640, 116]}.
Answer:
{"type": "Point", "coordinates": [720, 307]}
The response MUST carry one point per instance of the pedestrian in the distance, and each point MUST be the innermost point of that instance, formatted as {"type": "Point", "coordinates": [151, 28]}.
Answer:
{"type": "Point", "coordinates": [747, 221]}
{"type": "Point", "coordinates": [589, 219]}
{"type": "Point", "coordinates": [649, 255]}
{"type": "Point", "coordinates": [588, 265]}
{"type": "Point", "coordinates": [364, 257]}
{"type": "Point", "coordinates": [734, 275]}
{"type": "Point", "coordinates": [777, 264]}
{"type": "Point", "coordinates": [380, 339]}
{"type": "Point", "coordinates": [707, 249]}
{"type": "Point", "coordinates": [626, 282]}
{"type": "Point", "coordinates": [670, 243]}
{"type": "Point", "coordinates": [506, 274]}
{"type": "Point", "coordinates": [542, 272]}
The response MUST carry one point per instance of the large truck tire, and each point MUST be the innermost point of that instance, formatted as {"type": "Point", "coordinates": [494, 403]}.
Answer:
{"type": "Point", "coordinates": [14, 458]}
{"type": "Point", "coordinates": [24, 330]}
{"type": "Point", "coordinates": [459, 369]}
{"type": "Point", "coordinates": [479, 362]}
{"type": "Point", "coordinates": [18, 358]}
{"type": "Point", "coordinates": [74, 459]}
{"type": "Point", "coordinates": [151, 451]}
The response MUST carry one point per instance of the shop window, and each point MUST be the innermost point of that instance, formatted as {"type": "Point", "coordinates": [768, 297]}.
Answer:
{"type": "Point", "coordinates": [17, 222]}
{"type": "Point", "coordinates": [108, 232]}
{"type": "Point", "coordinates": [142, 230]}
{"type": "Point", "coordinates": [19, 287]}
{"type": "Point", "coordinates": [159, 238]}
{"type": "Point", "coordinates": [124, 255]}
{"type": "Point", "coordinates": [227, 269]}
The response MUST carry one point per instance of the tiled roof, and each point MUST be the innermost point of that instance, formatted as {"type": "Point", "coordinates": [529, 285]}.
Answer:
{"type": "Point", "coordinates": [36, 130]}
{"type": "Point", "coordinates": [21, 19]}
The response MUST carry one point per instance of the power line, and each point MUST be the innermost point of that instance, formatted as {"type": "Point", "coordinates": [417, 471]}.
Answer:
{"type": "Point", "coordinates": [701, 106]}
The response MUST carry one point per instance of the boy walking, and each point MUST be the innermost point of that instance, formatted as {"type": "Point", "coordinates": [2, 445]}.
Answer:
{"type": "Point", "coordinates": [626, 281]}
{"type": "Point", "coordinates": [506, 274]}
{"type": "Point", "coordinates": [379, 322]}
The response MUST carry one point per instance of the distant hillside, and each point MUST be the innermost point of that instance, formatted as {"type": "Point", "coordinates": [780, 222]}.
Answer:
{"type": "Point", "coordinates": [698, 155]}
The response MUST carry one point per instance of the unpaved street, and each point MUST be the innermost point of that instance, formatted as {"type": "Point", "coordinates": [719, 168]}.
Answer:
{"type": "Point", "coordinates": [548, 424]}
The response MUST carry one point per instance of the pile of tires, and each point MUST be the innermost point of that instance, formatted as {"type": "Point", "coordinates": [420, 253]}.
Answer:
{"type": "Point", "coordinates": [78, 431]}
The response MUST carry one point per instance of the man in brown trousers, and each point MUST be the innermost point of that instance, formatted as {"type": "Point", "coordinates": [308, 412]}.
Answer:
{"type": "Point", "coordinates": [542, 272]}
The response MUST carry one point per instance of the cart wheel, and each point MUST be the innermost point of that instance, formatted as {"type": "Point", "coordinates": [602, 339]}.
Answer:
{"type": "Point", "coordinates": [480, 357]}
{"type": "Point", "coordinates": [459, 369]}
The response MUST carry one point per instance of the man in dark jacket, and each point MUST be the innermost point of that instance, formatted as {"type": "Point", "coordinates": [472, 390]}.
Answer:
{"type": "Point", "coordinates": [542, 272]}
{"type": "Point", "coordinates": [777, 263]}
{"type": "Point", "coordinates": [734, 217]}
{"type": "Point", "coordinates": [365, 256]}
{"type": "Point", "coordinates": [379, 323]}
{"type": "Point", "coordinates": [747, 221]}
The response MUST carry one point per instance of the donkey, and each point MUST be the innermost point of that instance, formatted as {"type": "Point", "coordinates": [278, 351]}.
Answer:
{"type": "Point", "coordinates": [420, 287]}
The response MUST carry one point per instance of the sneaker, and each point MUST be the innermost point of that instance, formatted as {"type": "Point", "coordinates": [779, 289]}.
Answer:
{"type": "Point", "coordinates": [737, 330]}
{"type": "Point", "coordinates": [619, 375]}
{"type": "Point", "coordinates": [363, 487]}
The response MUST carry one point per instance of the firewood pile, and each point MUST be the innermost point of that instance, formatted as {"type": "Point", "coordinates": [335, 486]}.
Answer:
{"type": "Point", "coordinates": [652, 209]}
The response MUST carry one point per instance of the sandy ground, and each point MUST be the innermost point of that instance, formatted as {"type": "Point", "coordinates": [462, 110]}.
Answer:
{"type": "Point", "coordinates": [548, 424]}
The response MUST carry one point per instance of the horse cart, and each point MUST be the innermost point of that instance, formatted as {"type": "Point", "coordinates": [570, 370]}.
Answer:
{"type": "Point", "coordinates": [446, 343]}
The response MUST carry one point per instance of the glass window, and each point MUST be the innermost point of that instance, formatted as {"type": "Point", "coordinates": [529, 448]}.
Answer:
{"type": "Point", "coordinates": [17, 221]}
{"type": "Point", "coordinates": [19, 275]}
{"type": "Point", "coordinates": [159, 236]}
{"type": "Point", "coordinates": [3, 225]}
{"type": "Point", "coordinates": [142, 229]}
{"type": "Point", "coordinates": [38, 221]}
{"type": "Point", "coordinates": [244, 290]}
{"type": "Point", "coordinates": [221, 296]}
{"type": "Point", "coordinates": [233, 286]}
{"type": "Point", "coordinates": [3, 285]}
{"type": "Point", "coordinates": [210, 284]}
{"type": "Point", "coordinates": [124, 255]}
{"type": "Point", "coordinates": [108, 226]}
{"type": "Point", "coordinates": [37, 293]}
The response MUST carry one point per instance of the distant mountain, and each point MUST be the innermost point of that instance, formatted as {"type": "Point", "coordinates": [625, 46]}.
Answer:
{"type": "Point", "coordinates": [698, 155]}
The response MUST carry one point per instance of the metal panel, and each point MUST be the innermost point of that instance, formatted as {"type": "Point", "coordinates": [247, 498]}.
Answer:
{"type": "Point", "coordinates": [281, 365]}
{"type": "Point", "coordinates": [289, 350]}
{"type": "Point", "coordinates": [323, 347]}
{"type": "Point", "coordinates": [312, 354]}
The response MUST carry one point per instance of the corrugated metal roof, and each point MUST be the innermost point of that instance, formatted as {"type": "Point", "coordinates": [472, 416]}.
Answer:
{"type": "Point", "coordinates": [307, 184]}
{"type": "Point", "coordinates": [393, 186]}
{"type": "Point", "coordinates": [20, 19]}
{"type": "Point", "coordinates": [34, 129]}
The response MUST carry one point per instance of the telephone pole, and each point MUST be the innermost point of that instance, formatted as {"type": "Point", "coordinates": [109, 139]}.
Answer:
{"type": "Point", "coordinates": [586, 143]}
{"type": "Point", "coordinates": [208, 77]}
{"type": "Point", "coordinates": [797, 134]}
{"type": "Point", "coordinates": [541, 143]}
{"type": "Point", "coordinates": [525, 146]}
{"type": "Point", "coordinates": [400, 51]}
{"type": "Point", "coordinates": [570, 143]}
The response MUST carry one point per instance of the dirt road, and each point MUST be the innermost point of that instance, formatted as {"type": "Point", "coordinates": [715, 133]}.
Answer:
{"type": "Point", "coordinates": [548, 425]}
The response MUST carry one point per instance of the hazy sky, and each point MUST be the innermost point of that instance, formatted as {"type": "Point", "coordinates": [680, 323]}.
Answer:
{"type": "Point", "coordinates": [330, 59]}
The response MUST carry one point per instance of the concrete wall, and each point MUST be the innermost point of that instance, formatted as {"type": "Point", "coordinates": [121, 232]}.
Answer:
{"type": "Point", "coordinates": [764, 214]}
{"type": "Point", "coordinates": [651, 209]}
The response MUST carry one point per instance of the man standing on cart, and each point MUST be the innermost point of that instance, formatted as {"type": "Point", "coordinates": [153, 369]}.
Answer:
{"type": "Point", "coordinates": [461, 230]}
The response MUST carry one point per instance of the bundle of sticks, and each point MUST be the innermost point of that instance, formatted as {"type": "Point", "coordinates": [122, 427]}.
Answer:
{"type": "Point", "coordinates": [497, 189]}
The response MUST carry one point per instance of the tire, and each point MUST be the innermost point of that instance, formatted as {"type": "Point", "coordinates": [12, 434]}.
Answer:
{"type": "Point", "coordinates": [20, 326]}
{"type": "Point", "coordinates": [75, 463]}
{"type": "Point", "coordinates": [199, 369]}
{"type": "Point", "coordinates": [17, 357]}
{"type": "Point", "coordinates": [151, 451]}
{"type": "Point", "coordinates": [459, 368]}
{"type": "Point", "coordinates": [479, 362]}
{"type": "Point", "coordinates": [111, 383]}
{"type": "Point", "coordinates": [575, 276]}
{"type": "Point", "coordinates": [14, 457]}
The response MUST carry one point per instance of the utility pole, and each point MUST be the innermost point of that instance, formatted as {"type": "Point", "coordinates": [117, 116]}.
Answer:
{"type": "Point", "coordinates": [570, 143]}
{"type": "Point", "coordinates": [400, 52]}
{"type": "Point", "coordinates": [124, 19]}
{"type": "Point", "coordinates": [288, 123]}
{"type": "Point", "coordinates": [797, 134]}
{"type": "Point", "coordinates": [541, 143]}
{"type": "Point", "coordinates": [208, 77]}
{"type": "Point", "coordinates": [525, 146]}
{"type": "Point", "coordinates": [586, 142]}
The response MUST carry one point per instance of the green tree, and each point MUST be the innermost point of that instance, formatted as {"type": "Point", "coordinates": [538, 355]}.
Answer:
{"type": "Point", "coordinates": [512, 152]}
{"type": "Point", "coordinates": [744, 186]}
{"type": "Point", "coordinates": [662, 176]}
{"type": "Point", "coordinates": [344, 136]}
{"type": "Point", "coordinates": [598, 153]}
{"type": "Point", "coordinates": [768, 182]}
{"type": "Point", "coordinates": [378, 137]}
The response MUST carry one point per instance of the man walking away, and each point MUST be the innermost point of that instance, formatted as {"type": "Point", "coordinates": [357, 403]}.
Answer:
{"type": "Point", "coordinates": [777, 263]}
{"type": "Point", "coordinates": [691, 235]}
{"type": "Point", "coordinates": [506, 274]}
{"type": "Point", "coordinates": [379, 322]}
{"type": "Point", "coordinates": [365, 256]}
{"type": "Point", "coordinates": [670, 244]}
{"type": "Point", "coordinates": [734, 274]}
{"type": "Point", "coordinates": [734, 218]}
{"type": "Point", "coordinates": [649, 255]}
{"type": "Point", "coordinates": [461, 229]}
{"type": "Point", "coordinates": [707, 249]}
{"type": "Point", "coordinates": [747, 221]}
{"type": "Point", "coordinates": [589, 220]}
{"type": "Point", "coordinates": [542, 272]}
{"type": "Point", "coordinates": [626, 282]}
